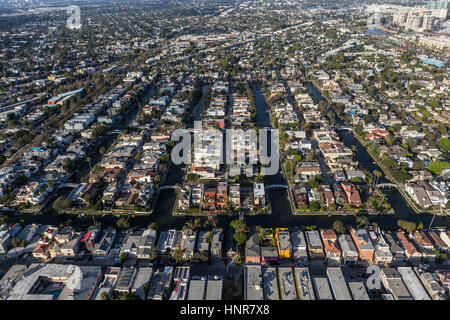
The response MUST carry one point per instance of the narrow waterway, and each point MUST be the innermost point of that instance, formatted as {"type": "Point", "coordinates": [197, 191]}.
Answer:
{"type": "Point", "coordinates": [281, 210]}
{"type": "Point", "coordinates": [96, 157]}
{"type": "Point", "coordinates": [396, 200]}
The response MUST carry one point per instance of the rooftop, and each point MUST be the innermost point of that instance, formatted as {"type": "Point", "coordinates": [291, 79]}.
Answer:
{"type": "Point", "coordinates": [338, 284]}
{"type": "Point", "coordinates": [253, 283]}
{"type": "Point", "coordinates": [322, 288]}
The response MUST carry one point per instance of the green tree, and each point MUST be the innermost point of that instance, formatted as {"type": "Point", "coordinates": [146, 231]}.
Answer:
{"type": "Point", "coordinates": [408, 226]}
{"type": "Point", "coordinates": [262, 234]}
{"type": "Point", "coordinates": [193, 225]}
{"type": "Point", "coordinates": [68, 165]}
{"type": "Point", "coordinates": [192, 177]}
{"type": "Point", "coordinates": [315, 205]}
{"type": "Point", "coordinates": [444, 144]}
{"type": "Point", "coordinates": [122, 223]}
{"type": "Point", "coordinates": [239, 226]}
{"type": "Point", "coordinates": [332, 207]}
{"type": "Point", "coordinates": [437, 166]}
{"type": "Point", "coordinates": [390, 140]}
{"type": "Point", "coordinates": [88, 159]}
{"type": "Point", "coordinates": [152, 226]}
{"type": "Point", "coordinates": [362, 221]}
{"type": "Point", "coordinates": [418, 165]}
{"type": "Point", "coordinates": [165, 158]}
{"type": "Point", "coordinates": [313, 183]}
{"type": "Point", "coordinates": [240, 238]}
{"type": "Point", "coordinates": [311, 156]}
{"type": "Point", "coordinates": [412, 142]}
{"type": "Point", "coordinates": [228, 206]}
{"type": "Point", "coordinates": [99, 132]}
{"type": "Point", "coordinates": [62, 203]}
{"type": "Point", "coordinates": [127, 296]}
{"type": "Point", "coordinates": [211, 222]}
{"type": "Point", "coordinates": [153, 254]}
{"type": "Point", "coordinates": [338, 226]}
{"type": "Point", "coordinates": [177, 254]}
{"type": "Point", "coordinates": [123, 256]}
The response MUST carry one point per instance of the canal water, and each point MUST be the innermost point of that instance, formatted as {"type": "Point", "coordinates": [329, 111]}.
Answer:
{"type": "Point", "coordinates": [281, 211]}
{"type": "Point", "coordinates": [396, 200]}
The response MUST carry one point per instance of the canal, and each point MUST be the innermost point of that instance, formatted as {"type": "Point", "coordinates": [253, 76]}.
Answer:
{"type": "Point", "coordinates": [281, 211]}
{"type": "Point", "coordinates": [396, 200]}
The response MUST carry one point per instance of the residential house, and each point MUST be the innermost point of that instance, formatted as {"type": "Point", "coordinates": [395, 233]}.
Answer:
{"type": "Point", "coordinates": [349, 250]}
{"type": "Point", "coordinates": [216, 244]}
{"type": "Point", "coordinates": [331, 245]}
{"type": "Point", "coordinates": [361, 238]}
{"type": "Point", "coordinates": [283, 243]}
{"type": "Point", "coordinates": [411, 252]}
{"type": "Point", "coordinates": [235, 196]}
{"type": "Point", "coordinates": [259, 195]}
{"type": "Point", "coordinates": [188, 241]}
{"type": "Point", "coordinates": [299, 247]}
{"type": "Point", "coordinates": [252, 249]}
{"type": "Point", "coordinates": [315, 247]}
{"type": "Point", "coordinates": [382, 252]}
{"type": "Point", "coordinates": [395, 247]}
{"type": "Point", "coordinates": [352, 194]}
{"type": "Point", "coordinates": [222, 195]}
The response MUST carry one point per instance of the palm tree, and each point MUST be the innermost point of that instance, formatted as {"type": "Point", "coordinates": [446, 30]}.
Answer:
{"type": "Point", "coordinates": [192, 225]}
{"type": "Point", "coordinates": [262, 233]}
{"type": "Point", "coordinates": [362, 221]}
{"type": "Point", "coordinates": [211, 221]}
{"type": "Point", "coordinates": [377, 175]}
{"type": "Point", "coordinates": [189, 225]}
{"type": "Point", "coordinates": [177, 254]}
{"type": "Point", "coordinates": [152, 225]}
{"type": "Point", "coordinates": [239, 226]}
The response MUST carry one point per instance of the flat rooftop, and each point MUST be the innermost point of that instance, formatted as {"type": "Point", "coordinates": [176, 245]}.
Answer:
{"type": "Point", "coordinates": [304, 284]}
{"type": "Point", "coordinates": [314, 239]}
{"type": "Point", "coordinates": [143, 276]}
{"type": "Point", "coordinates": [253, 283]}
{"type": "Point", "coordinates": [358, 290]}
{"type": "Point", "coordinates": [322, 288]}
{"type": "Point", "coordinates": [298, 240]}
{"type": "Point", "coordinates": [287, 284]}
{"type": "Point", "coordinates": [396, 284]}
{"type": "Point", "coordinates": [196, 289]}
{"type": "Point", "coordinates": [413, 283]}
{"type": "Point", "coordinates": [338, 284]}
{"type": "Point", "coordinates": [346, 243]}
{"type": "Point", "coordinates": [284, 240]}
{"type": "Point", "coordinates": [270, 281]}
{"type": "Point", "coordinates": [214, 289]}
